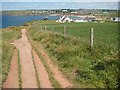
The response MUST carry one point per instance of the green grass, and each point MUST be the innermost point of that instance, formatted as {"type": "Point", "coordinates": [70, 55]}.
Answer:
{"type": "Point", "coordinates": [81, 30]}
{"type": "Point", "coordinates": [85, 67]}
{"type": "Point", "coordinates": [19, 71]}
{"type": "Point", "coordinates": [8, 35]}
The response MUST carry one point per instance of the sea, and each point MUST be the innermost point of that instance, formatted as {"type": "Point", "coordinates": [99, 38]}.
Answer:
{"type": "Point", "coordinates": [21, 20]}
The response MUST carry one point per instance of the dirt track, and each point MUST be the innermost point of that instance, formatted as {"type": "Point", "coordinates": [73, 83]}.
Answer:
{"type": "Point", "coordinates": [42, 73]}
{"type": "Point", "coordinates": [28, 70]}
{"type": "Point", "coordinates": [56, 73]}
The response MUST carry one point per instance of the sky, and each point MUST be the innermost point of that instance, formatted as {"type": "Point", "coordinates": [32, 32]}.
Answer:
{"type": "Point", "coordinates": [60, 0]}
{"type": "Point", "coordinates": [54, 4]}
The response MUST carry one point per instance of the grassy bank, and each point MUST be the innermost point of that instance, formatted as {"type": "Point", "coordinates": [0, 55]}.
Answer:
{"type": "Point", "coordinates": [0, 58]}
{"type": "Point", "coordinates": [8, 35]}
{"type": "Point", "coordinates": [85, 67]}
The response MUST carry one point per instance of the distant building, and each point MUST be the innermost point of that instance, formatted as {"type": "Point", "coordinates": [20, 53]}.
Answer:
{"type": "Point", "coordinates": [65, 18]}
{"type": "Point", "coordinates": [74, 13]}
{"type": "Point", "coordinates": [90, 18]}
{"type": "Point", "coordinates": [115, 19]}
{"type": "Point", "coordinates": [64, 10]}
{"type": "Point", "coordinates": [106, 12]}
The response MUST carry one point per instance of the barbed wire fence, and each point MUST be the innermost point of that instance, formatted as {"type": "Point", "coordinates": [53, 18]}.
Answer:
{"type": "Point", "coordinates": [64, 31]}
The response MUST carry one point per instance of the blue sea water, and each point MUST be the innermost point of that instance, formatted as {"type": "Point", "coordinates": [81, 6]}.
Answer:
{"type": "Point", "coordinates": [20, 20]}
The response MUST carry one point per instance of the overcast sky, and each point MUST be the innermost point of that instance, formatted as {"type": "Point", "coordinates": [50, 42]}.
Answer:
{"type": "Point", "coordinates": [54, 4]}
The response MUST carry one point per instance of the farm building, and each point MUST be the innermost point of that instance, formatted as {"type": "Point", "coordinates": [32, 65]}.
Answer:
{"type": "Point", "coordinates": [115, 19]}
{"type": "Point", "coordinates": [65, 18]}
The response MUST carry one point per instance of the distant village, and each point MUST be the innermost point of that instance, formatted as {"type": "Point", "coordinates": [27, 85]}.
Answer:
{"type": "Point", "coordinates": [72, 15]}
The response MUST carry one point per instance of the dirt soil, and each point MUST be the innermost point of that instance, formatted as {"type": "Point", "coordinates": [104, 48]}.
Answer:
{"type": "Point", "coordinates": [27, 67]}
{"type": "Point", "coordinates": [42, 73]}
{"type": "Point", "coordinates": [62, 80]}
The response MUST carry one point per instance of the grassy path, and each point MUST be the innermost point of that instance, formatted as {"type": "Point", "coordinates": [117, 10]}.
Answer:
{"type": "Point", "coordinates": [13, 73]}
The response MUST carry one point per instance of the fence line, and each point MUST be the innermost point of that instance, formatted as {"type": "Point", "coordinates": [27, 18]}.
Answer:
{"type": "Point", "coordinates": [52, 28]}
{"type": "Point", "coordinates": [64, 33]}
{"type": "Point", "coordinates": [45, 28]}
{"type": "Point", "coordinates": [41, 27]}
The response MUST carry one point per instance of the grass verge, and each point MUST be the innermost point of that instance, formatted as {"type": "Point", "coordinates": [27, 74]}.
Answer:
{"type": "Point", "coordinates": [83, 65]}
{"type": "Point", "coordinates": [19, 71]}
{"type": "Point", "coordinates": [8, 35]}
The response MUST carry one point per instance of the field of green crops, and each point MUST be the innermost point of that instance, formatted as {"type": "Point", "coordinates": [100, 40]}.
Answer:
{"type": "Point", "coordinates": [82, 30]}
{"type": "Point", "coordinates": [8, 35]}
{"type": "Point", "coordinates": [84, 66]}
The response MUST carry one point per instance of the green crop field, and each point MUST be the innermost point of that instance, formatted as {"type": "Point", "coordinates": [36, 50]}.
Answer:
{"type": "Point", "coordinates": [104, 33]}
{"type": "Point", "coordinates": [78, 29]}
{"type": "Point", "coordinates": [8, 35]}
{"type": "Point", "coordinates": [84, 66]}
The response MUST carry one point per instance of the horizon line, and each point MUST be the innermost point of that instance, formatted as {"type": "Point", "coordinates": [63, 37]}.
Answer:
{"type": "Point", "coordinates": [63, 8]}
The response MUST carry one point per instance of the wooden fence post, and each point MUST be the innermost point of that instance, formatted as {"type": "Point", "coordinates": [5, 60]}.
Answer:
{"type": "Point", "coordinates": [45, 27]}
{"type": "Point", "coordinates": [91, 37]}
{"type": "Point", "coordinates": [65, 31]}
{"type": "Point", "coordinates": [41, 27]}
{"type": "Point", "coordinates": [52, 28]}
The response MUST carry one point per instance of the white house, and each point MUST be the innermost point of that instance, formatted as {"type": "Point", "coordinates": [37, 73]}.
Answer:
{"type": "Point", "coordinates": [64, 19]}
{"type": "Point", "coordinates": [80, 21]}
{"type": "Point", "coordinates": [115, 19]}
{"type": "Point", "coordinates": [64, 10]}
